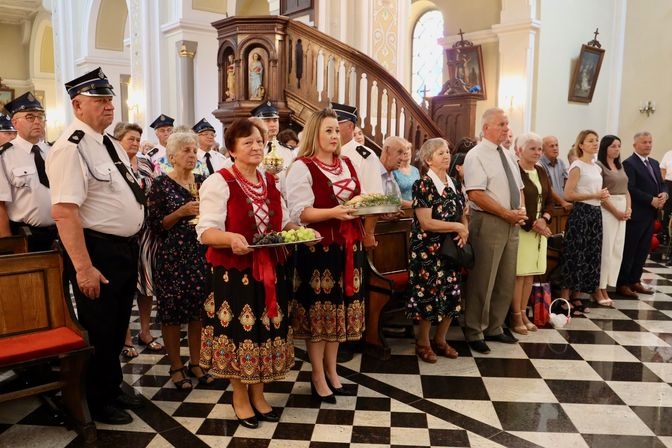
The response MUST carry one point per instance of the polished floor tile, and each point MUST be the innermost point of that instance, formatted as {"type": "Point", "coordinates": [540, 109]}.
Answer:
{"type": "Point", "coordinates": [513, 368]}
{"type": "Point", "coordinates": [530, 390]}
{"type": "Point", "coordinates": [658, 419]}
{"type": "Point", "coordinates": [541, 417]}
{"type": "Point", "coordinates": [623, 371]}
{"type": "Point", "coordinates": [605, 419]}
{"type": "Point", "coordinates": [587, 392]}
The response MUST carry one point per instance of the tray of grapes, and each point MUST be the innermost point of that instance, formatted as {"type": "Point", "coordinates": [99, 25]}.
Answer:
{"type": "Point", "coordinates": [285, 238]}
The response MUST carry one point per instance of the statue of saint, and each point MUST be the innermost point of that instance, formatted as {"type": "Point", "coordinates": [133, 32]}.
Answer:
{"type": "Point", "coordinates": [256, 77]}
{"type": "Point", "coordinates": [230, 79]}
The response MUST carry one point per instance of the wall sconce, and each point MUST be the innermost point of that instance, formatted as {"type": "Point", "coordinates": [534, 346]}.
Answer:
{"type": "Point", "coordinates": [647, 107]}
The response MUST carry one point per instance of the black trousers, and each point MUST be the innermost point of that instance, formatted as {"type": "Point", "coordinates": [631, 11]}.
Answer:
{"type": "Point", "coordinates": [39, 239]}
{"type": "Point", "coordinates": [637, 247]}
{"type": "Point", "coordinates": [106, 318]}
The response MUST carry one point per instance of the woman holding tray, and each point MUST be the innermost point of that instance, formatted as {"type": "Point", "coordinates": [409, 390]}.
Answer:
{"type": "Point", "coordinates": [328, 304]}
{"type": "Point", "coordinates": [246, 337]}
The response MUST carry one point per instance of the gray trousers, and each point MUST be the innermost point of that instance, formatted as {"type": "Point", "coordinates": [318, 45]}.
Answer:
{"type": "Point", "coordinates": [490, 284]}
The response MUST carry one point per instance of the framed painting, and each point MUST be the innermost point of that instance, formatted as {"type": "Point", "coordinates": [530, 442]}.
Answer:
{"type": "Point", "coordinates": [6, 95]}
{"type": "Point", "coordinates": [470, 71]}
{"type": "Point", "coordinates": [586, 71]}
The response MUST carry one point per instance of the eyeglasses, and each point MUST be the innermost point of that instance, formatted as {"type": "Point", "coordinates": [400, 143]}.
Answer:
{"type": "Point", "coordinates": [32, 117]}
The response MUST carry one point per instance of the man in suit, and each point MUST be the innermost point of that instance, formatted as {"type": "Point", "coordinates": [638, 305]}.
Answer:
{"type": "Point", "coordinates": [649, 194]}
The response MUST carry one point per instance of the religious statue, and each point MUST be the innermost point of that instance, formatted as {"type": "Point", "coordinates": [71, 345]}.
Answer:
{"type": "Point", "coordinates": [230, 79]}
{"type": "Point", "coordinates": [256, 77]}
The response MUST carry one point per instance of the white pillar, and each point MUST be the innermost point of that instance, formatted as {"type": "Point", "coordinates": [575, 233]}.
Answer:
{"type": "Point", "coordinates": [517, 35]}
{"type": "Point", "coordinates": [186, 50]}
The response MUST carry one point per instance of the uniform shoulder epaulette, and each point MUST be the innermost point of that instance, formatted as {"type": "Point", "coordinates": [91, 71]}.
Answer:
{"type": "Point", "coordinates": [362, 151]}
{"type": "Point", "coordinates": [5, 147]}
{"type": "Point", "coordinates": [76, 136]}
{"type": "Point", "coordinates": [152, 152]}
{"type": "Point", "coordinates": [51, 143]}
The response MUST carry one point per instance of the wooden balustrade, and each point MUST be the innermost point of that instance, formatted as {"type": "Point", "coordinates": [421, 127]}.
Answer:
{"type": "Point", "coordinates": [306, 70]}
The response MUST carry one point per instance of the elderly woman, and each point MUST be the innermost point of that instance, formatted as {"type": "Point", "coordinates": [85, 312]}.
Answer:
{"type": "Point", "coordinates": [246, 337]}
{"type": "Point", "coordinates": [615, 212]}
{"type": "Point", "coordinates": [179, 266]}
{"type": "Point", "coordinates": [583, 233]}
{"type": "Point", "coordinates": [533, 234]}
{"type": "Point", "coordinates": [129, 135]}
{"type": "Point", "coordinates": [434, 282]}
{"type": "Point", "coordinates": [328, 307]}
{"type": "Point", "coordinates": [406, 176]}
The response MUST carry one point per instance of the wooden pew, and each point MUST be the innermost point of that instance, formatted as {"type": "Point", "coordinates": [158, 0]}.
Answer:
{"type": "Point", "coordinates": [387, 281]}
{"type": "Point", "coordinates": [37, 326]}
{"type": "Point", "coordinates": [13, 245]}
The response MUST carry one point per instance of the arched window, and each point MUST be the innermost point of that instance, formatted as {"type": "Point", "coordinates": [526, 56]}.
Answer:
{"type": "Point", "coordinates": [427, 60]}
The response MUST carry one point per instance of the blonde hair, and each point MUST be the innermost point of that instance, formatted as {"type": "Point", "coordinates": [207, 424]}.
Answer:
{"type": "Point", "coordinates": [580, 138]}
{"type": "Point", "coordinates": [311, 133]}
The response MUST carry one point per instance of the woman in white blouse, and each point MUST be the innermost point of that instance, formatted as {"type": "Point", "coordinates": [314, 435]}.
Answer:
{"type": "Point", "coordinates": [328, 306]}
{"type": "Point", "coordinates": [246, 336]}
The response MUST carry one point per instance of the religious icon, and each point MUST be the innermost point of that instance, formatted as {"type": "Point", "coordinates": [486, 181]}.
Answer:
{"type": "Point", "coordinates": [230, 79]}
{"type": "Point", "coordinates": [256, 77]}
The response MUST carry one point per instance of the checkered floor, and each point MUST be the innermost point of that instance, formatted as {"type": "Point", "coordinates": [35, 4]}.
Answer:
{"type": "Point", "coordinates": [602, 381]}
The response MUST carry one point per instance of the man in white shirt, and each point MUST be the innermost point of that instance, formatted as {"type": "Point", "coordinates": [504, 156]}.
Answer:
{"type": "Point", "coordinates": [163, 127]}
{"type": "Point", "coordinates": [98, 207]}
{"type": "Point", "coordinates": [24, 186]}
{"type": "Point", "coordinates": [493, 183]}
{"type": "Point", "coordinates": [212, 160]}
{"type": "Point", "coordinates": [366, 162]}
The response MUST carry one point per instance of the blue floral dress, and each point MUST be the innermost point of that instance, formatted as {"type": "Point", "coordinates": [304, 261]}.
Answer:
{"type": "Point", "coordinates": [434, 284]}
{"type": "Point", "coordinates": [179, 271]}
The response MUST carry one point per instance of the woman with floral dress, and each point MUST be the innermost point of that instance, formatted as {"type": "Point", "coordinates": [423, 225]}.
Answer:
{"type": "Point", "coordinates": [179, 272]}
{"type": "Point", "coordinates": [434, 282]}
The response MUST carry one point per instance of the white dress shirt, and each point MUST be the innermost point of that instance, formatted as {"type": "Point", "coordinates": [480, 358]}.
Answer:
{"type": "Point", "coordinates": [367, 165]}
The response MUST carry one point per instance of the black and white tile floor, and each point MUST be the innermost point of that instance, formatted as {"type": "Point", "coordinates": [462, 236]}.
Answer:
{"type": "Point", "coordinates": [602, 381]}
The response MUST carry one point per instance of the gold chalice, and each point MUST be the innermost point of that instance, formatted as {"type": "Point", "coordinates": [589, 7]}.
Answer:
{"type": "Point", "coordinates": [273, 163]}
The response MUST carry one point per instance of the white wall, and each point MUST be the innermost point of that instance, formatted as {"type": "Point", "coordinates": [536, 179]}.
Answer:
{"type": "Point", "coordinates": [559, 46]}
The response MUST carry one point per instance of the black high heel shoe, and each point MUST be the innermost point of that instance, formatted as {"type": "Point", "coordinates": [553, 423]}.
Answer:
{"type": "Point", "coordinates": [249, 422]}
{"type": "Point", "coordinates": [327, 399]}
{"type": "Point", "coordinates": [270, 416]}
{"type": "Point", "coordinates": [342, 391]}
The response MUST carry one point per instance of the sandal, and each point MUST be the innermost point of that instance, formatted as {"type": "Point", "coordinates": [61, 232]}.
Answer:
{"type": "Point", "coordinates": [204, 379]}
{"type": "Point", "coordinates": [129, 352]}
{"type": "Point", "coordinates": [425, 353]}
{"type": "Point", "coordinates": [529, 325]}
{"type": "Point", "coordinates": [518, 324]}
{"type": "Point", "coordinates": [185, 382]}
{"type": "Point", "coordinates": [580, 307]}
{"type": "Point", "coordinates": [152, 346]}
{"type": "Point", "coordinates": [444, 350]}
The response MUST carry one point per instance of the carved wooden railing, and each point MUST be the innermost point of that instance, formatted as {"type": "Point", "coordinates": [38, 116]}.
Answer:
{"type": "Point", "coordinates": [308, 69]}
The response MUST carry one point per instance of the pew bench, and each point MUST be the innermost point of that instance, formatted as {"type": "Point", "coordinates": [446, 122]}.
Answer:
{"type": "Point", "coordinates": [386, 285]}
{"type": "Point", "coordinates": [38, 327]}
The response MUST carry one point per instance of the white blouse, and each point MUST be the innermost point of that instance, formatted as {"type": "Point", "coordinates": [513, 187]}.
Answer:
{"type": "Point", "coordinates": [299, 184]}
{"type": "Point", "coordinates": [214, 195]}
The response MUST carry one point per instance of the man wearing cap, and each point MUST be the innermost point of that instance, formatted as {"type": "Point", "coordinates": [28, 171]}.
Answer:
{"type": "Point", "coordinates": [98, 207]}
{"type": "Point", "coordinates": [365, 160]}
{"type": "Point", "coordinates": [213, 160]}
{"type": "Point", "coordinates": [24, 186]}
{"type": "Point", "coordinates": [269, 114]}
{"type": "Point", "coordinates": [7, 131]}
{"type": "Point", "coordinates": [163, 127]}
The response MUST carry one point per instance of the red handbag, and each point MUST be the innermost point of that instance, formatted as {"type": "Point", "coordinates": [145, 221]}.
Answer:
{"type": "Point", "coordinates": [540, 298]}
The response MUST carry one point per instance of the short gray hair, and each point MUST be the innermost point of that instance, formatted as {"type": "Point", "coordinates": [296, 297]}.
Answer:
{"type": "Point", "coordinates": [523, 139]}
{"type": "Point", "coordinates": [642, 134]}
{"type": "Point", "coordinates": [394, 141]}
{"type": "Point", "coordinates": [489, 114]}
{"type": "Point", "coordinates": [429, 147]}
{"type": "Point", "coordinates": [179, 140]}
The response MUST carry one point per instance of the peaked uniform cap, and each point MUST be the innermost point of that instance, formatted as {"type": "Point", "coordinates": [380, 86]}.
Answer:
{"type": "Point", "coordinates": [162, 121]}
{"type": "Point", "coordinates": [6, 124]}
{"type": "Point", "coordinates": [345, 112]}
{"type": "Point", "coordinates": [265, 110]}
{"type": "Point", "coordinates": [24, 103]}
{"type": "Point", "coordinates": [201, 126]}
{"type": "Point", "coordinates": [94, 83]}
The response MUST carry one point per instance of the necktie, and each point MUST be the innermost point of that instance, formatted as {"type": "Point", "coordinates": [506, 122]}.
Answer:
{"type": "Point", "coordinates": [208, 163]}
{"type": "Point", "coordinates": [513, 188]}
{"type": "Point", "coordinates": [125, 173]}
{"type": "Point", "coordinates": [650, 168]}
{"type": "Point", "coordinates": [39, 164]}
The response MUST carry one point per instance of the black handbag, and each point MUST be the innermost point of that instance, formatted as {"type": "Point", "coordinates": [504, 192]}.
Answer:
{"type": "Point", "coordinates": [460, 256]}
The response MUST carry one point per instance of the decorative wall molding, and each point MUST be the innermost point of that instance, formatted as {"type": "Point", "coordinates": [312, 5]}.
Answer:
{"type": "Point", "coordinates": [187, 25]}
{"type": "Point", "coordinates": [477, 37]}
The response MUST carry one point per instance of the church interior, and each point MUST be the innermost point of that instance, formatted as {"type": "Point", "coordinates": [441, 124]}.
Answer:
{"type": "Point", "coordinates": [416, 69]}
